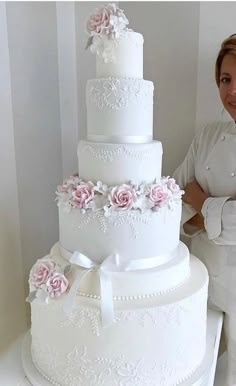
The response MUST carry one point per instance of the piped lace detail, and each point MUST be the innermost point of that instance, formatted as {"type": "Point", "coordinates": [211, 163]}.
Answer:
{"type": "Point", "coordinates": [117, 94]}
{"type": "Point", "coordinates": [78, 368]}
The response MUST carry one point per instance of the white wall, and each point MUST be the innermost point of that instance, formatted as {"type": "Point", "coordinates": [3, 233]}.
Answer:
{"type": "Point", "coordinates": [75, 66]}
{"type": "Point", "coordinates": [43, 72]}
{"type": "Point", "coordinates": [31, 150]}
{"type": "Point", "coordinates": [32, 36]}
{"type": "Point", "coordinates": [68, 91]}
{"type": "Point", "coordinates": [12, 310]}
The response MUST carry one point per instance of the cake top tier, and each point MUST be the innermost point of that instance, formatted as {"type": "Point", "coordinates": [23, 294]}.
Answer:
{"type": "Point", "coordinates": [118, 49]}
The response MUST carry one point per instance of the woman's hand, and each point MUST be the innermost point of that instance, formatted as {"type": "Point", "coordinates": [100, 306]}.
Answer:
{"type": "Point", "coordinates": [195, 196]}
{"type": "Point", "coordinates": [197, 220]}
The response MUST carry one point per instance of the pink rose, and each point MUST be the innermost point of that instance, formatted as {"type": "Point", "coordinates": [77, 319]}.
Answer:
{"type": "Point", "coordinates": [83, 193]}
{"type": "Point", "coordinates": [122, 197]}
{"type": "Point", "coordinates": [41, 272]}
{"type": "Point", "coordinates": [57, 285]}
{"type": "Point", "coordinates": [158, 194]}
{"type": "Point", "coordinates": [100, 19]}
{"type": "Point", "coordinates": [171, 184]}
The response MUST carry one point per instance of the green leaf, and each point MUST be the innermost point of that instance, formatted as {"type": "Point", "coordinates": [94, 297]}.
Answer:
{"type": "Point", "coordinates": [89, 42]}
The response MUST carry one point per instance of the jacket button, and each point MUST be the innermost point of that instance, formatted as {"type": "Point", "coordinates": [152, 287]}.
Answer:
{"type": "Point", "coordinates": [207, 167]}
{"type": "Point", "coordinates": [222, 138]}
{"type": "Point", "coordinates": [233, 174]}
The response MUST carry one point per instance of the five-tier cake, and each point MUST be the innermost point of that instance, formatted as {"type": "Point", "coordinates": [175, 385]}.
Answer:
{"type": "Point", "coordinates": [118, 301]}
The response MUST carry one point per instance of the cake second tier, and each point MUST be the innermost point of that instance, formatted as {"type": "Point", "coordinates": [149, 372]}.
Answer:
{"type": "Point", "coordinates": [119, 110]}
{"type": "Point", "coordinates": [116, 163]}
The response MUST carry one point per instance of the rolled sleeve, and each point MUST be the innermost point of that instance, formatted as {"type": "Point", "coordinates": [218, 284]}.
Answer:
{"type": "Point", "coordinates": [212, 212]}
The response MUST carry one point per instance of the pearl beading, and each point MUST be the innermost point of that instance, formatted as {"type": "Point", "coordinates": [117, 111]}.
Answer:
{"type": "Point", "coordinates": [135, 297]}
{"type": "Point", "coordinates": [50, 380]}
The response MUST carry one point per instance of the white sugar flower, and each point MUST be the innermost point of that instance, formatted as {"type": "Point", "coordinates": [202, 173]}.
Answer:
{"type": "Point", "coordinates": [100, 187]}
{"type": "Point", "coordinates": [143, 203]}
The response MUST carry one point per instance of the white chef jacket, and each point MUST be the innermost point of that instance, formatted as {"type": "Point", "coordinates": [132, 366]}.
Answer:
{"type": "Point", "coordinates": [211, 160]}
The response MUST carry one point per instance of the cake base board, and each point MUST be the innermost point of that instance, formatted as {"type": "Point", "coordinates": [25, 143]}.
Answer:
{"type": "Point", "coordinates": [198, 378]}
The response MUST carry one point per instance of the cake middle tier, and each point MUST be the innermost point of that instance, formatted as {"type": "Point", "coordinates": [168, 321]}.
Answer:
{"type": "Point", "coordinates": [118, 163]}
{"type": "Point", "coordinates": [130, 233]}
{"type": "Point", "coordinates": [119, 110]}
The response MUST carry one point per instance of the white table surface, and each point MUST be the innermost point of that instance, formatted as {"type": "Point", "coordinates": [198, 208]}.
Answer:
{"type": "Point", "coordinates": [12, 373]}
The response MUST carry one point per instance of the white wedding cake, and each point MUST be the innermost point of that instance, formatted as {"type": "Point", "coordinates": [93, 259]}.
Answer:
{"type": "Point", "coordinates": [118, 301]}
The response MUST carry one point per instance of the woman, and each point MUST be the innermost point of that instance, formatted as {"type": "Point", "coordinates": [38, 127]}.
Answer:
{"type": "Point", "coordinates": [208, 176]}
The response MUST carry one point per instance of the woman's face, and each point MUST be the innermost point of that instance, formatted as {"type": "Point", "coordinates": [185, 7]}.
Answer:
{"type": "Point", "coordinates": [227, 86]}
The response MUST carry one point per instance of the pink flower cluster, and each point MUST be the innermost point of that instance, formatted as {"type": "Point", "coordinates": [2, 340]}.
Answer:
{"type": "Point", "coordinates": [67, 184]}
{"type": "Point", "coordinates": [107, 20]}
{"type": "Point", "coordinates": [105, 25]}
{"type": "Point", "coordinates": [100, 20]}
{"type": "Point", "coordinates": [86, 195]}
{"type": "Point", "coordinates": [43, 275]}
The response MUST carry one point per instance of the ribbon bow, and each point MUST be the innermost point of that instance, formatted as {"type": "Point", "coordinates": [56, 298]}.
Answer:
{"type": "Point", "coordinates": [112, 263]}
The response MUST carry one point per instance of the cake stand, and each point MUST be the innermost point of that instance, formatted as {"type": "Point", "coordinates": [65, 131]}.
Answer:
{"type": "Point", "coordinates": [201, 377]}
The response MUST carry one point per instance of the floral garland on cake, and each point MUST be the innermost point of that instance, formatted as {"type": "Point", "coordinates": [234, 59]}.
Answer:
{"type": "Point", "coordinates": [76, 193]}
{"type": "Point", "coordinates": [104, 26]}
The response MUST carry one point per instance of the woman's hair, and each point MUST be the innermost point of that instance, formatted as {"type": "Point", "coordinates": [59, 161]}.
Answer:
{"type": "Point", "coordinates": [228, 47]}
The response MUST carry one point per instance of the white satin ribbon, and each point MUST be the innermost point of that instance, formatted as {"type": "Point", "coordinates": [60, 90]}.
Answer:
{"type": "Point", "coordinates": [120, 138]}
{"type": "Point", "coordinates": [113, 263]}
{"type": "Point", "coordinates": [110, 264]}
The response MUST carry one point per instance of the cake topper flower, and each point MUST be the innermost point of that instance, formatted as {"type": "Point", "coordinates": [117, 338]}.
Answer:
{"type": "Point", "coordinates": [105, 25]}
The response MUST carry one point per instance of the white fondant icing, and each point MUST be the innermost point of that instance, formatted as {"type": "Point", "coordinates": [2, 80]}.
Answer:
{"type": "Point", "coordinates": [118, 163]}
{"type": "Point", "coordinates": [159, 340]}
{"type": "Point", "coordinates": [130, 233]}
{"type": "Point", "coordinates": [119, 107]}
{"type": "Point", "coordinates": [127, 57]}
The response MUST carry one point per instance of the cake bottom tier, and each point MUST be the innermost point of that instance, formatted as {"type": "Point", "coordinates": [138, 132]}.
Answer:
{"type": "Point", "coordinates": [159, 341]}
